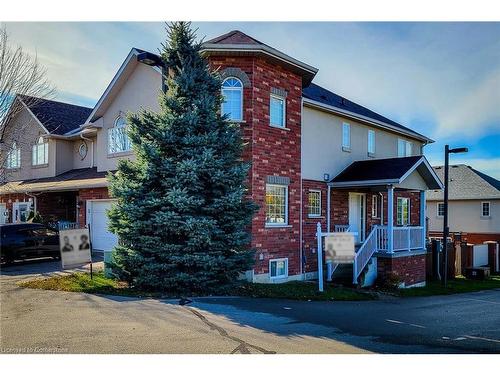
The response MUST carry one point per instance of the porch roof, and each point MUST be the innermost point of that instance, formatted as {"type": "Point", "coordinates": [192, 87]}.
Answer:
{"type": "Point", "coordinates": [71, 180]}
{"type": "Point", "coordinates": [412, 172]}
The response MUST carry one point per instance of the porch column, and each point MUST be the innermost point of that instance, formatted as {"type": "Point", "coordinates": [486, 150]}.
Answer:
{"type": "Point", "coordinates": [390, 219]}
{"type": "Point", "coordinates": [423, 215]}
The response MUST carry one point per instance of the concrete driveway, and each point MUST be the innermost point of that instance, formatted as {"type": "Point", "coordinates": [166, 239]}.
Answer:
{"type": "Point", "coordinates": [61, 322]}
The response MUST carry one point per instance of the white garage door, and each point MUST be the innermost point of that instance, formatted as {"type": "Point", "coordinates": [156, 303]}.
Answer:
{"type": "Point", "coordinates": [102, 238]}
{"type": "Point", "coordinates": [480, 255]}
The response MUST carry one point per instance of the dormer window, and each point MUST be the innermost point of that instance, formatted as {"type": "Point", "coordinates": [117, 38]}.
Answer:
{"type": "Point", "coordinates": [14, 157]}
{"type": "Point", "coordinates": [40, 152]}
{"type": "Point", "coordinates": [118, 140]}
{"type": "Point", "coordinates": [232, 93]}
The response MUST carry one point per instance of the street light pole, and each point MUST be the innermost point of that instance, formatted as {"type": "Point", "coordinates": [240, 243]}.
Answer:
{"type": "Point", "coordinates": [446, 229]}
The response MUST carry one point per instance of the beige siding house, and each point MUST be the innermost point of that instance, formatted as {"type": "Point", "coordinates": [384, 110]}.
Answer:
{"type": "Point", "coordinates": [474, 205]}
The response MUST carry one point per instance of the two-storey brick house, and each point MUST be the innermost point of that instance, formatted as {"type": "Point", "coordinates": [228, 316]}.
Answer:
{"type": "Point", "coordinates": [316, 157]}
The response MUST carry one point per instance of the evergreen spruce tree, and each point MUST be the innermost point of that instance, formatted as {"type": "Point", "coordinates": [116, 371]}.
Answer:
{"type": "Point", "coordinates": [182, 215]}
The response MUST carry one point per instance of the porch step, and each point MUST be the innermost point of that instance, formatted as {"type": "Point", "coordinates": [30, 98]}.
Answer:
{"type": "Point", "coordinates": [343, 274]}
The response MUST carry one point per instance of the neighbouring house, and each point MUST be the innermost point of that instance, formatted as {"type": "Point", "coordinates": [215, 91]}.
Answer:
{"type": "Point", "coordinates": [473, 208]}
{"type": "Point", "coordinates": [316, 157]}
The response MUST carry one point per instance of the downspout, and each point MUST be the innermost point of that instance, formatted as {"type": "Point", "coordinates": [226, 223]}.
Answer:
{"type": "Point", "coordinates": [328, 202]}
{"type": "Point", "coordinates": [91, 149]}
{"type": "Point", "coordinates": [301, 261]}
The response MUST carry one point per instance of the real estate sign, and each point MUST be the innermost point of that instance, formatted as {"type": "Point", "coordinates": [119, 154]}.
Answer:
{"type": "Point", "coordinates": [75, 247]}
{"type": "Point", "coordinates": [339, 247]}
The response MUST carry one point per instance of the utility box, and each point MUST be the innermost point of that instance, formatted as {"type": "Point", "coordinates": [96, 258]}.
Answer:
{"type": "Point", "coordinates": [477, 273]}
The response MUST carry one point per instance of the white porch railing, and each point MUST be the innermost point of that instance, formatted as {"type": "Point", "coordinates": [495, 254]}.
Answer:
{"type": "Point", "coordinates": [342, 228]}
{"type": "Point", "coordinates": [363, 255]}
{"type": "Point", "coordinates": [404, 239]}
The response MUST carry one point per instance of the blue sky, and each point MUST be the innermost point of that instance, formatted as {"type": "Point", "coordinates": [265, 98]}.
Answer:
{"type": "Point", "coordinates": [441, 79]}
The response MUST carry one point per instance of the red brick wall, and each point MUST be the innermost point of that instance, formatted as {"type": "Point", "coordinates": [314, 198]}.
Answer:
{"type": "Point", "coordinates": [86, 194]}
{"type": "Point", "coordinates": [410, 270]}
{"type": "Point", "coordinates": [273, 152]}
{"type": "Point", "coordinates": [309, 241]}
{"type": "Point", "coordinates": [473, 238]}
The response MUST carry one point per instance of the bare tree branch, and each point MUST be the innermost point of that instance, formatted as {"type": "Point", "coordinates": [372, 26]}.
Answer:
{"type": "Point", "coordinates": [20, 74]}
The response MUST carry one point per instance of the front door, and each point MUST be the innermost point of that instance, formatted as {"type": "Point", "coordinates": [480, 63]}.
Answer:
{"type": "Point", "coordinates": [3, 212]}
{"type": "Point", "coordinates": [357, 215]}
{"type": "Point", "coordinates": [20, 212]}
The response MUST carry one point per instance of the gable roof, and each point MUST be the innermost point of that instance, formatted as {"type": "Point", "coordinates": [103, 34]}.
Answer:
{"type": "Point", "coordinates": [375, 172]}
{"type": "Point", "coordinates": [56, 117]}
{"type": "Point", "coordinates": [238, 43]}
{"type": "Point", "coordinates": [466, 183]}
{"type": "Point", "coordinates": [234, 37]}
{"type": "Point", "coordinates": [324, 96]}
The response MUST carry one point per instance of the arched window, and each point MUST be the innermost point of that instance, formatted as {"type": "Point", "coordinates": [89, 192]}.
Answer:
{"type": "Point", "coordinates": [118, 140]}
{"type": "Point", "coordinates": [40, 152]}
{"type": "Point", "coordinates": [232, 92]}
{"type": "Point", "coordinates": [13, 157]}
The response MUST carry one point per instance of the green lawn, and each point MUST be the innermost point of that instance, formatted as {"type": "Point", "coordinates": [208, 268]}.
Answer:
{"type": "Point", "coordinates": [300, 290]}
{"type": "Point", "coordinates": [81, 282]}
{"type": "Point", "coordinates": [458, 285]}
{"type": "Point", "coordinates": [296, 290]}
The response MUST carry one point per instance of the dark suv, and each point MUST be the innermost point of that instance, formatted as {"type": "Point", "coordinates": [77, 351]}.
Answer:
{"type": "Point", "coordinates": [27, 241]}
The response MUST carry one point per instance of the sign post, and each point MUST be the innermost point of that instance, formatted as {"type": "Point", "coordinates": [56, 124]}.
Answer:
{"type": "Point", "coordinates": [320, 256]}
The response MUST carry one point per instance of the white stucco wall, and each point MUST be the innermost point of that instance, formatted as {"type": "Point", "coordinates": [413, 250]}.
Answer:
{"type": "Point", "coordinates": [140, 90]}
{"type": "Point", "coordinates": [465, 216]}
{"type": "Point", "coordinates": [322, 144]}
{"type": "Point", "coordinates": [25, 131]}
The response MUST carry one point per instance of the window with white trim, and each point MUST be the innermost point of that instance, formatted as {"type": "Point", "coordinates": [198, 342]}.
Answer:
{"type": "Point", "coordinates": [485, 209]}
{"type": "Point", "coordinates": [13, 160]}
{"type": "Point", "coordinates": [278, 268]}
{"type": "Point", "coordinates": [403, 211]}
{"type": "Point", "coordinates": [277, 110]}
{"type": "Point", "coordinates": [371, 141]}
{"type": "Point", "coordinates": [40, 152]}
{"type": "Point", "coordinates": [232, 94]}
{"type": "Point", "coordinates": [440, 209]}
{"type": "Point", "coordinates": [314, 203]}
{"type": "Point", "coordinates": [276, 205]}
{"type": "Point", "coordinates": [405, 148]}
{"type": "Point", "coordinates": [346, 136]}
{"type": "Point", "coordinates": [375, 203]}
{"type": "Point", "coordinates": [118, 140]}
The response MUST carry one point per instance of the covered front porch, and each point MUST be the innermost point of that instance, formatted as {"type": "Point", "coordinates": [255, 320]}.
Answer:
{"type": "Point", "coordinates": [386, 207]}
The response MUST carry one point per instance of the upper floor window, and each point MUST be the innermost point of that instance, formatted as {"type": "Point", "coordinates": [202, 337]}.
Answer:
{"type": "Point", "coordinates": [276, 204]}
{"type": "Point", "coordinates": [13, 160]}
{"type": "Point", "coordinates": [440, 209]}
{"type": "Point", "coordinates": [232, 94]}
{"type": "Point", "coordinates": [405, 148]}
{"type": "Point", "coordinates": [346, 136]}
{"type": "Point", "coordinates": [371, 142]}
{"type": "Point", "coordinates": [403, 211]}
{"type": "Point", "coordinates": [314, 200]}
{"type": "Point", "coordinates": [40, 152]}
{"type": "Point", "coordinates": [118, 140]}
{"type": "Point", "coordinates": [277, 111]}
{"type": "Point", "coordinates": [485, 209]}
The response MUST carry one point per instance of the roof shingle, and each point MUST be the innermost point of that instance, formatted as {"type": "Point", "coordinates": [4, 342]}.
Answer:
{"type": "Point", "coordinates": [466, 183]}
{"type": "Point", "coordinates": [57, 117]}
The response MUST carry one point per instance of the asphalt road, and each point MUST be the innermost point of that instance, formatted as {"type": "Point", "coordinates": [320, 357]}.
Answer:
{"type": "Point", "coordinates": [61, 322]}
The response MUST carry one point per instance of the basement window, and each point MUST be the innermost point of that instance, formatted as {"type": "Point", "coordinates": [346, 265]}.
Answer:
{"type": "Point", "coordinates": [278, 268]}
